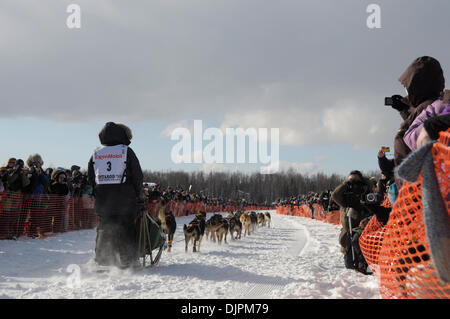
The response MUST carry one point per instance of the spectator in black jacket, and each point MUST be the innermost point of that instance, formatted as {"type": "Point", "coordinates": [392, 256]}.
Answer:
{"type": "Point", "coordinates": [58, 184]}
{"type": "Point", "coordinates": [4, 172]}
{"type": "Point", "coordinates": [382, 185]}
{"type": "Point", "coordinates": [16, 177]}
{"type": "Point", "coordinates": [386, 165]}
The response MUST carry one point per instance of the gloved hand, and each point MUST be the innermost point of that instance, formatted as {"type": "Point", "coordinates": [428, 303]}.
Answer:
{"type": "Point", "coordinates": [398, 104]}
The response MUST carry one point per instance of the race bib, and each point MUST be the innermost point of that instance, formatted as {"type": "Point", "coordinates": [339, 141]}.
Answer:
{"type": "Point", "coordinates": [110, 164]}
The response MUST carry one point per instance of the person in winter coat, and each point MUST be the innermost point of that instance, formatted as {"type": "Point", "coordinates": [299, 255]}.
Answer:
{"type": "Point", "coordinates": [424, 82]}
{"type": "Point", "coordinates": [39, 180]}
{"type": "Point", "coordinates": [437, 108]}
{"type": "Point", "coordinates": [58, 185]}
{"type": "Point", "coordinates": [39, 183]}
{"type": "Point", "coordinates": [16, 177]}
{"type": "Point", "coordinates": [4, 173]}
{"type": "Point", "coordinates": [116, 176]}
{"type": "Point", "coordinates": [432, 127]}
{"type": "Point", "coordinates": [382, 185]}
{"type": "Point", "coordinates": [348, 196]}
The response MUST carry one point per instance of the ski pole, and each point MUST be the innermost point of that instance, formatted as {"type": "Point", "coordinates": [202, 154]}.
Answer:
{"type": "Point", "coordinates": [351, 237]}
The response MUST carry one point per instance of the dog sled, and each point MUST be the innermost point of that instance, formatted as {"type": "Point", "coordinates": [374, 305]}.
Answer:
{"type": "Point", "coordinates": [151, 240]}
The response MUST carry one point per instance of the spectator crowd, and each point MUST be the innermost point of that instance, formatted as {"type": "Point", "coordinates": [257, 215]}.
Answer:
{"type": "Point", "coordinates": [35, 199]}
{"type": "Point", "coordinates": [154, 193]}
{"type": "Point", "coordinates": [33, 179]}
{"type": "Point", "coordinates": [425, 112]}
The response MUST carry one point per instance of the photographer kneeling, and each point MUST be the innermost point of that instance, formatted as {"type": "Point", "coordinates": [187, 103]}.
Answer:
{"type": "Point", "coordinates": [358, 205]}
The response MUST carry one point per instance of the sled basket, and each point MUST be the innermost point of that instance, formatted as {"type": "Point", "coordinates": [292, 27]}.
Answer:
{"type": "Point", "coordinates": [150, 237]}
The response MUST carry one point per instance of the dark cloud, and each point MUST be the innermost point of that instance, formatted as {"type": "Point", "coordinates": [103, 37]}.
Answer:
{"type": "Point", "coordinates": [240, 61]}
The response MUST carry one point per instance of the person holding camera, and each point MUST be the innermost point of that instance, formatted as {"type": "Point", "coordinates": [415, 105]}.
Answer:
{"type": "Point", "coordinates": [15, 180]}
{"type": "Point", "coordinates": [39, 181]}
{"type": "Point", "coordinates": [77, 183]}
{"type": "Point", "coordinates": [4, 174]}
{"type": "Point", "coordinates": [351, 197]}
{"type": "Point", "coordinates": [16, 176]}
{"type": "Point", "coordinates": [424, 82]}
{"type": "Point", "coordinates": [437, 108]}
{"type": "Point", "coordinates": [432, 127]}
{"type": "Point", "coordinates": [116, 177]}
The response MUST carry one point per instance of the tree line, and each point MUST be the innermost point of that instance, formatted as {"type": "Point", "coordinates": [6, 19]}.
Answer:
{"type": "Point", "coordinates": [254, 187]}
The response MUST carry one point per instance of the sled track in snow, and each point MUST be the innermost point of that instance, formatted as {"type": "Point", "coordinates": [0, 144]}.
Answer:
{"type": "Point", "coordinates": [263, 290]}
{"type": "Point", "coordinates": [262, 286]}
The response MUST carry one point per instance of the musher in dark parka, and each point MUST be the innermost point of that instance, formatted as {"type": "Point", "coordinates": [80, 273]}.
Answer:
{"type": "Point", "coordinates": [116, 176]}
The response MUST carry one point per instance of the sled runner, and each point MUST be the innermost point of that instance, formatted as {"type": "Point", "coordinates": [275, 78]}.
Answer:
{"type": "Point", "coordinates": [151, 240]}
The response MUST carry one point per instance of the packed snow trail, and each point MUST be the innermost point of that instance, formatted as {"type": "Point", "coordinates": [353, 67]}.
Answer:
{"type": "Point", "coordinates": [295, 258]}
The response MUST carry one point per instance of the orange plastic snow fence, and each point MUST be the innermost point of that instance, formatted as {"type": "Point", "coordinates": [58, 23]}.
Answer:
{"type": "Point", "coordinates": [43, 215]}
{"type": "Point", "coordinates": [37, 215]}
{"type": "Point", "coordinates": [399, 253]}
{"type": "Point", "coordinates": [331, 217]}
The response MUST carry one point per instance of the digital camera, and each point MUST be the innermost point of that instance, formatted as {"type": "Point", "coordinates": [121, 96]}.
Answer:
{"type": "Point", "coordinates": [372, 198]}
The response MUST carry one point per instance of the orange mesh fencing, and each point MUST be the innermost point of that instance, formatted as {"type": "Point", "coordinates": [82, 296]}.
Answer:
{"type": "Point", "coordinates": [43, 215]}
{"type": "Point", "coordinates": [386, 203]}
{"type": "Point", "coordinates": [334, 217]}
{"type": "Point", "coordinates": [370, 241]}
{"type": "Point", "coordinates": [330, 217]}
{"type": "Point", "coordinates": [37, 215]}
{"type": "Point", "coordinates": [399, 253]}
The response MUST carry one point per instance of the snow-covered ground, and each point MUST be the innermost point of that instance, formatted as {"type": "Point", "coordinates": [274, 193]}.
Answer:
{"type": "Point", "coordinates": [295, 258]}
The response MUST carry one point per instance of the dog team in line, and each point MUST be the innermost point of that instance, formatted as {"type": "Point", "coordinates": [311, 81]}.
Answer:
{"type": "Point", "coordinates": [216, 228]}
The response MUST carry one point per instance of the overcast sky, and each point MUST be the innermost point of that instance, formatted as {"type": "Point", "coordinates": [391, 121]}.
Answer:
{"type": "Point", "coordinates": [311, 68]}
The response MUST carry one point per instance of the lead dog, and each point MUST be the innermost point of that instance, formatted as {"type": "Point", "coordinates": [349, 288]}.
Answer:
{"type": "Point", "coordinates": [169, 225]}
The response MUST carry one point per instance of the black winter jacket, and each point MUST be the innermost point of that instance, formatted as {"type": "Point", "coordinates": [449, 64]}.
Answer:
{"type": "Point", "coordinates": [117, 199]}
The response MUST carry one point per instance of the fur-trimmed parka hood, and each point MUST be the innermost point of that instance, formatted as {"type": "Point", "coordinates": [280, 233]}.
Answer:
{"type": "Point", "coordinates": [35, 158]}
{"type": "Point", "coordinates": [115, 134]}
{"type": "Point", "coordinates": [56, 173]}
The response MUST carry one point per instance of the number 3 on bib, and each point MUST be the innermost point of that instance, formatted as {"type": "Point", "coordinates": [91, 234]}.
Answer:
{"type": "Point", "coordinates": [110, 164]}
